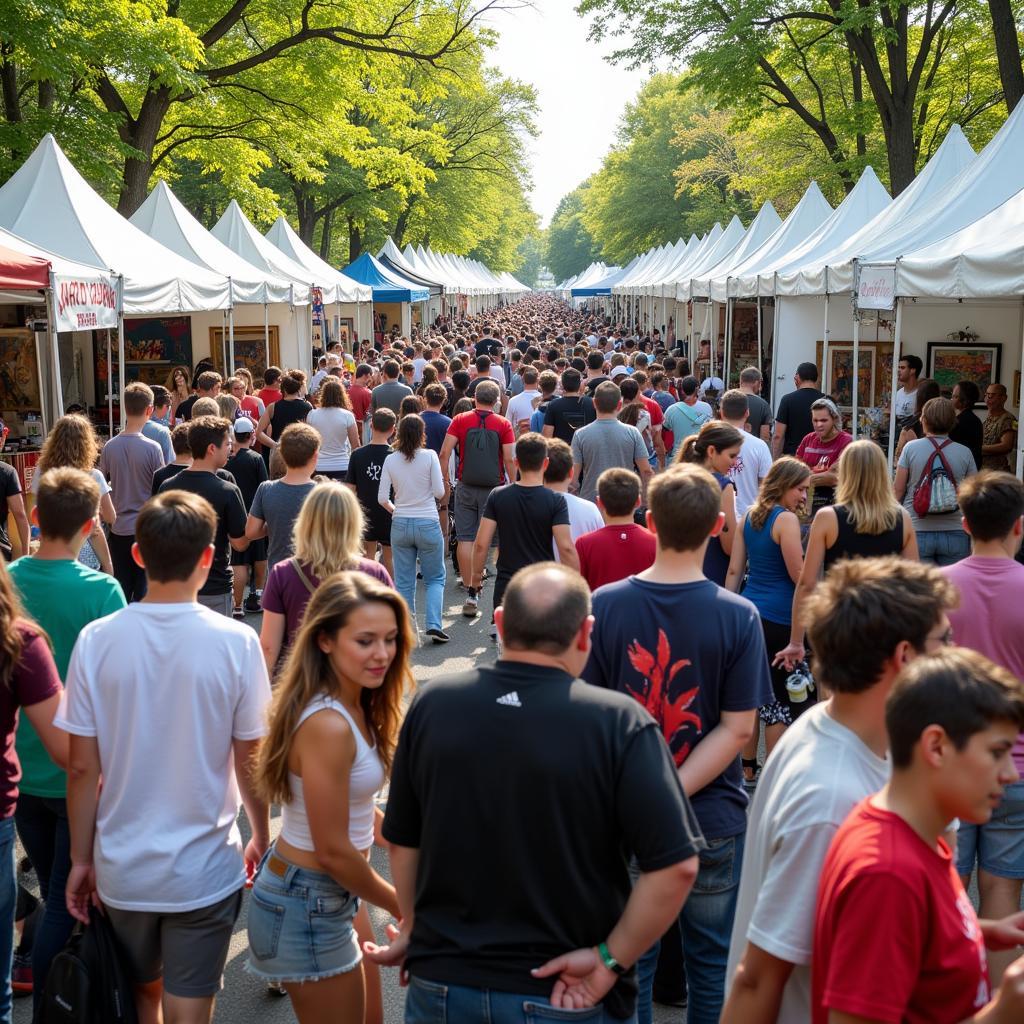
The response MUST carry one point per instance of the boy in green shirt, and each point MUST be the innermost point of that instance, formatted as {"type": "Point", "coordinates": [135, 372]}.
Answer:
{"type": "Point", "coordinates": [62, 595]}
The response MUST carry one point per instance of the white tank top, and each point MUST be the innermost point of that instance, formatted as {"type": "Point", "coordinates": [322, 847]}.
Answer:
{"type": "Point", "coordinates": [365, 782]}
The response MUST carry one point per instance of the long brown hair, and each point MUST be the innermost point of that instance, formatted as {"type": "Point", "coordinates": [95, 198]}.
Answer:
{"type": "Point", "coordinates": [307, 674]}
{"type": "Point", "coordinates": [411, 432]}
{"type": "Point", "coordinates": [785, 474]}
{"type": "Point", "coordinates": [11, 617]}
{"type": "Point", "coordinates": [72, 442]}
{"type": "Point", "coordinates": [716, 434]}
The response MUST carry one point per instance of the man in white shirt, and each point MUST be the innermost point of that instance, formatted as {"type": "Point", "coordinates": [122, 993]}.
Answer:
{"type": "Point", "coordinates": [166, 702]}
{"type": "Point", "coordinates": [866, 621]}
{"type": "Point", "coordinates": [584, 516]}
{"type": "Point", "coordinates": [909, 370]}
{"type": "Point", "coordinates": [755, 457]}
{"type": "Point", "coordinates": [521, 407]}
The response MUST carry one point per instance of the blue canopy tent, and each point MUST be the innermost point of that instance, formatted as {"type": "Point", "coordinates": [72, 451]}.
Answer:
{"type": "Point", "coordinates": [601, 286]}
{"type": "Point", "coordinates": [392, 293]}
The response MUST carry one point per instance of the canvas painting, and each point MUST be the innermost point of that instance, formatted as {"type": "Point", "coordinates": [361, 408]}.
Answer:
{"type": "Point", "coordinates": [949, 364]}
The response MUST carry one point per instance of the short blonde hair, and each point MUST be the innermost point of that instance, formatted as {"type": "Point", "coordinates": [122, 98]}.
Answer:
{"type": "Point", "coordinates": [328, 533]}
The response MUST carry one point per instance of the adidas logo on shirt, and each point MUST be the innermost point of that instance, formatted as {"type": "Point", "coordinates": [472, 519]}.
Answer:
{"type": "Point", "coordinates": [510, 700]}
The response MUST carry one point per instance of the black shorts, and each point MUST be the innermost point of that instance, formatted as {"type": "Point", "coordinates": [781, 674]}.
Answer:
{"type": "Point", "coordinates": [378, 529]}
{"type": "Point", "coordinates": [255, 552]}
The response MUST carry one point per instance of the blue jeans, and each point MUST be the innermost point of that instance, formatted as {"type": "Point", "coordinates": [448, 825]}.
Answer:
{"type": "Point", "coordinates": [8, 899]}
{"type": "Point", "coordinates": [706, 923]}
{"type": "Point", "coordinates": [43, 827]}
{"type": "Point", "coordinates": [412, 538]}
{"type": "Point", "coordinates": [430, 1002]}
{"type": "Point", "coordinates": [943, 547]}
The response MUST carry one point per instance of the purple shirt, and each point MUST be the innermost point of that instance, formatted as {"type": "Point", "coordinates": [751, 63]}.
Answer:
{"type": "Point", "coordinates": [287, 595]}
{"type": "Point", "coordinates": [990, 619]}
{"type": "Point", "coordinates": [129, 461]}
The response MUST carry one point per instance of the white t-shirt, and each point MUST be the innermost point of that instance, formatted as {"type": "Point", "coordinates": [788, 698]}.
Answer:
{"type": "Point", "coordinates": [417, 373]}
{"type": "Point", "coordinates": [417, 482]}
{"type": "Point", "coordinates": [521, 407]}
{"type": "Point", "coordinates": [316, 380]}
{"type": "Point", "coordinates": [905, 403]}
{"type": "Point", "coordinates": [584, 517]}
{"type": "Point", "coordinates": [332, 425]}
{"type": "Point", "coordinates": [164, 689]}
{"type": "Point", "coordinates": [752, 465]}
{"type": "Point", "coordinates": [816, 775]}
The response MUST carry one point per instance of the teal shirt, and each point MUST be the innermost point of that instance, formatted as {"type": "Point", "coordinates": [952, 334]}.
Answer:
{"type": "Point", "coordinates": [62, 596]}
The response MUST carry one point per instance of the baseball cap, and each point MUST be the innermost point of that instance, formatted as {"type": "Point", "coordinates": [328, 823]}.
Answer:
{"type": "Point", "coordinates": [712, 384]}
{"type": "Point", "coordinates": [244, 425]}
{"type": "Point", "coordinates": [618, 371]}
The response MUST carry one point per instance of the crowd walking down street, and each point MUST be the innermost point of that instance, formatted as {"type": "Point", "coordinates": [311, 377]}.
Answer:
{"type": "Point", "coordinates": [512, 673]}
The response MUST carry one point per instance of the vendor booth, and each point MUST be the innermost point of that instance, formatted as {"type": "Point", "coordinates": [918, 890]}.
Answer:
{"type": "Point", "coordinates": [393, 294]}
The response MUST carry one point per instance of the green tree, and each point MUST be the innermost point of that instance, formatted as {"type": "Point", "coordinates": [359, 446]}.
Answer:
{"type": "Point", "coordinates": [570, 247]}
{"type": "Point", "coordinates": [530, 258]}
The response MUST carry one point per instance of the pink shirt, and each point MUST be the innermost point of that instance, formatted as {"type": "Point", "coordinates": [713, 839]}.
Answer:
{"type": "Point", "coordinates": [990, 618]}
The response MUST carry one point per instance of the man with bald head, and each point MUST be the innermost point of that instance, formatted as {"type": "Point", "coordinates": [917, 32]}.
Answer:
{"type": "Point", "coordinates": [516, 792]}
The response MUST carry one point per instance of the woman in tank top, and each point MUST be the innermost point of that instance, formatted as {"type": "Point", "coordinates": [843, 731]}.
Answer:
{"type": "Point", "coordinates": [292, 408]}
{"type": "Point", "coordinates": [865, 522]}
{"type": "Point", "coordinates": [333, 727]}
{"type": "Point", "coordinates": [768, 544]}
{"type": "Point", "coordinates": [716, 448]}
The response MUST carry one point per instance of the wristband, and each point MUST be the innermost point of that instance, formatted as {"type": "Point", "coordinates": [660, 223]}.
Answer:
{"type": "Point", "coordinates": [609, 961]}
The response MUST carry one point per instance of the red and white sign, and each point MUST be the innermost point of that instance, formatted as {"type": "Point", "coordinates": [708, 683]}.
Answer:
{"type": "Point", "coordinates": [83, 304]}
{"type": "Point", "coordinates": [876, 288]}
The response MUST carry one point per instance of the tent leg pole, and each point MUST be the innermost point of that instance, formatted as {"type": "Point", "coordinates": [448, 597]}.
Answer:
{"type": "Point", "coordinates": [231, 342]}
{"type": "Point", "coordinates": [1019, 468]}
{"type": "Point", "coordinates": [824, 349]}
{"type": "Point", "coordinates": [121, 369]}
{"type": "Point", "coordinates": [266, 331]}
{"type": "Point", "coordinates": [110, 386]}
{"type": "Point", "coordinates": [856, 373]}
{"type": "Point", "coordinates": [896, 339]}
{"type": "Point", "coordinates": [730, 316]}
{"type": "Point", "coordinates": [58, 390]}
{"type": "Point", "coordinates": [760, 341]}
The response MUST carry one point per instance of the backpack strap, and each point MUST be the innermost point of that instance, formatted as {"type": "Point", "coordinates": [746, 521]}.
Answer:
{"type": "Point", "coordinates": [300, 572]}
{"type": "Point", "coordinates": [942, 458]}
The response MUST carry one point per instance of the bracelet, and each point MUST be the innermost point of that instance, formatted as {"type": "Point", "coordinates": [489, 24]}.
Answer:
{"type": "Point", "coordinates": [609, 961]}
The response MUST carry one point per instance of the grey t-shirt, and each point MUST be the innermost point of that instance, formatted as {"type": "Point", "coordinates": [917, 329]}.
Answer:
{"type": "Point", "coordinates": [389, 395]}
{"type": "Point", "coordinates": [159, 433]}
{"type": "Point", "coordinates": [605, 444]}
{"type": "Point", "coordinates": [760, 414]}
{"type": "Point", "coordinates": [915, 457]}
{"type": "Point", "coordinates": [129, 461]}
{"type": "Point", "coordinates": [278, 504]}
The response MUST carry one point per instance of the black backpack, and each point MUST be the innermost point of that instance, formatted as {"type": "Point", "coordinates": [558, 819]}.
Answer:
{"type": "Point", "coordinates": [87, 983]}
{"type": "Point", "coordinates": [482, 461]}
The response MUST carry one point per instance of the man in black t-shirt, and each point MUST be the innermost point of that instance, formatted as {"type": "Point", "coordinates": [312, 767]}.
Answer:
{"type": "Point", "coordinates": [565, 415]}
{"type": "Point", "coordinates": [595, 372]}
{"type": "Point", "coordinates": [524, 858]}
{"type": "Point", "coordinates": [249, 471]}
{"type": "Point", "coordinates": [793, 420]}
{"type": "Point", "coordinates": [527, 517]}
{"type": "Point", "coordinates": [208, 439]}
{"type": "Point", "coordinates": [364, 469]}
{"type": "Point", "coordinates": [487, 345]}
{"type": "Point", "coordinates": [207, 385]}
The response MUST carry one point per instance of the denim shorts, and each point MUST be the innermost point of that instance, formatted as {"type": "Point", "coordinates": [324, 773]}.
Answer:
{"type": "Point", "coordinates": [998, 845]}
{"type": "Point", "coordinates": [300, 924]}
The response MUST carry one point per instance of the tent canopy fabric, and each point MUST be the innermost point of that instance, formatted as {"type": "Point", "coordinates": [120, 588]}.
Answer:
{"type": "Point", "coordinates": [391, 256]}
{"type": "Point", "coordinates": [21, 272]}
{"type": "Point", "coordinates": [761, 229]}
{"type": "Point", "coordinates": [238, 233]}
{"type": "Point", "coordinates": [334, 285]}
{"type": "Point", "coordinates": [49, 203]}
{"type": "Point", "coordinates": [387, 285]}
{"type": "Point", "coordinates": [163, 217]}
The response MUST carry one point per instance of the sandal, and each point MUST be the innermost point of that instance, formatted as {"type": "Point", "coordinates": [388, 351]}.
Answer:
{"type": "Point", "coordinates": [750, 764]}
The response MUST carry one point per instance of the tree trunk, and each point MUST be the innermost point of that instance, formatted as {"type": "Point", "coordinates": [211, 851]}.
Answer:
{"type": "Point", "coordinates": [47, 95]}
{"type": "Point", "coordinates": [1004, 30]}
{"type": "Point", "coordinates": [398, 235]}
{"type": "Point", "coordinates": [898, 126]}
{"type": "Point", "coordinates": [355, 240]}
{"type": "Point", "coordinates": [141, 133]}
{"type": "Point", "coordinates": [325, 236]}
{"type": "Point", "coordinates": [9, 86]}
{"type": "Point", "coordinates": [306, 211]}
{"type": "Point", "coordinates": [857, 74]}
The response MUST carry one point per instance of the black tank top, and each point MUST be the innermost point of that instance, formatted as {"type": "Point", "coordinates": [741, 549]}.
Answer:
{"type": "Point", "coordinates": [850, 544]}
{"type": "Point", "coordinates": [287, 412]}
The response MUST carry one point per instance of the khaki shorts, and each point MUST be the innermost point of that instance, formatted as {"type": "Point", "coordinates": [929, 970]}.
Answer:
{"type": "Point", "coordinates": [188, 950]}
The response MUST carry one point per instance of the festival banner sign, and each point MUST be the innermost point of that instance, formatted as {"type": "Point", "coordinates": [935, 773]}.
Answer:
{"type": "Point", "coordinates": [83, 304]}
{"type": "Point", "coordinates": [876, 288]}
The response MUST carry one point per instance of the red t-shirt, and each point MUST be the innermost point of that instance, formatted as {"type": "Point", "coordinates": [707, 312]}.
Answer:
{"type": "Point", "coordinates": [895, 936]}
{"type": "Point", "coordinates": [360, 398]}
{"type": "Point", "coordinates": [34, 679]}
{"type": "Point", "coordinates": [822, 456]}
{"type": "Point", "coordinates": [466, 421]}
{"type": "Point", "coordinates": [614, 552]}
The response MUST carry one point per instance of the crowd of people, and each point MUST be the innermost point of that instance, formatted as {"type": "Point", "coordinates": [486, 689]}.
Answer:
{"type": "Point", "coordinates": [675, 578]}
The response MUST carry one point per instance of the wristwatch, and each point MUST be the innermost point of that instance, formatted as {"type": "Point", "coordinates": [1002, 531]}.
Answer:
{"type": "Point", "coordinates": [609, 961]}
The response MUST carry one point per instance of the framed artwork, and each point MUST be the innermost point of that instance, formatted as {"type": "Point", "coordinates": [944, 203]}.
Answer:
{"type": "Point", "coordinates": [344, 331]}
{"type": "Point", "coordinates": [949, 364]}
{"type": "Point", "coordinates": [874, 373]}
{"type": "Point", "coordinates": [250, 349]}
{"type": "Point", "coordinates": [19, 373]}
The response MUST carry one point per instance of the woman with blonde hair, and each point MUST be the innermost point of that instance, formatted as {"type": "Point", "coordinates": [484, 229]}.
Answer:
{"type": "Point", "coordinates": [768, 539]}
{"type": "Point", "coordinates": [328, 538]}
{"type": "Point", "coordinates": [251, 405]}
{"type": "Point", "coordinates": [716, 448]}
{"type": "Point", "coordinates": [865, 522]}
{"type": "Point", "coordinates": [72, 443]}
{"type": "Point", "coordinates": [333, 727]}
{"type": "Point", "coordinates": [228, 406]}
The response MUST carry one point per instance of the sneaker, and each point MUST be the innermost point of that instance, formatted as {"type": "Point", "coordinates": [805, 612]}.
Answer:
{"type": "Point", "coordinates": [21, 974]}
{"type": "Point", "coordinates": [472, 606]}
{"type": "Point", "coordinates": [252, 602]}
{"type": "Point", "coordinates": [439, 636]}
{"type": "Point", "coordinates": [493, 632]}
{"type": "Point", "coordinates": [238, 612]}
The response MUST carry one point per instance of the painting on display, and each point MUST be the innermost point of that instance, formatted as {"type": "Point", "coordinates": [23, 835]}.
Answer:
{"type": "Point", "coordinates": [19, 374]}
{"type": "Point", "coordinates": [874, 373]}
{"type": "Point", "coordinates": [949, 364]}
{"type": "Point", "coordinates": [153, 346]}
{"type": "Point", "coordinates": [250, 349]}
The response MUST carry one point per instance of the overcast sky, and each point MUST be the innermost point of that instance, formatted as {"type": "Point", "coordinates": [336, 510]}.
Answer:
{"type": "Point", "coordinates": [581, 95]}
